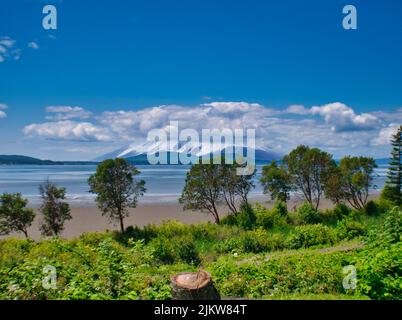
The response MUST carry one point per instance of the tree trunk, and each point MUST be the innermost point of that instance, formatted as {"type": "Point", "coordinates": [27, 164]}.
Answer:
{"type": "Point", "coordinates": [193, 286]}
{"type": "Point", "coordinates": [121, 225]}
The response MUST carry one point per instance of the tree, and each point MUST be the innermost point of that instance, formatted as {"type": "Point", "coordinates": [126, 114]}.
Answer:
{"type": "Point", "coordinates": [356, 179]}
{"type": "Point", "coordinates": [203, 189]}
{"type": "Point", "coordinates": [235, 188]}
{"type": "Point", "coordinates": [54, 210]}
{"type": "Point", "coordinates": [393, 187]}
{"type": "Point", "coordinates": [309, 168]}
{"type": "Point", "coordinates": [14, 215]}
{"type": "Point", "coordinates": [333, 186]}
{"type": "Point", "coordinates": [276, 181]}
{"type": "Point", "coordinates": [116, 188]}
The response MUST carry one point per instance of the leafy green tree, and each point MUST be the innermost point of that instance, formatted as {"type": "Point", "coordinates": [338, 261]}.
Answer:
{"type": "Point", "coordinates": [357, 179]}
{"type": "Point", "coordinates": [276, 181]}
{"type": "Point", "coordinates": [116, 188]}
{"type": "Point", "coordinates": [392, 190]}
{"type": "Point", "coordinates": [203, 189]}
{"type": "Point", "coordinates": [54, 210]}
{"type": "Point", "coordinates": [309, 168]}
{"type": "Point", "coordinates": [14, 214]}
{"type": "Point", "coordinates": [333, 186]}
{"type": "Point", "coordinates": [235, 188]}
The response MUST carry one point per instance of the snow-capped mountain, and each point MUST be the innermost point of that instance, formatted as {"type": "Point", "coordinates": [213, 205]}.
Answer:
{"type": "Point", "coordinates": [138, 152]}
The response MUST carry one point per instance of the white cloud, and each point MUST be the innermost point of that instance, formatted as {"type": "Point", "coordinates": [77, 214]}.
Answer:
{"type": "Point", "coordinates": [6, 49]}
{"type": "Point", "coordinates": [343, 118]}
{"type": "Point", "coordinates": [384, 136]}
{"type": "Point", "coordinates": [67, 112]}
{"type": "Point", "coordinates": [337, 128]}
{"type": "Point", "coordinates": [297, 109]}
{"type": "Point", "coordinates": [68, 130]}
{"type": "Point", "coordinates": [33, 45]}
{"type": "Point", "coordinates": [2, 113]}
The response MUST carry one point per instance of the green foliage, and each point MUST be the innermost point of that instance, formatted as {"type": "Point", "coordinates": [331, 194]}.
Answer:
{"type": "Point", "coordinates": [243, 263]}
{"type": "Point", "coordinates": [341, 211]}
{"type": "Point", "coordinates": [380, 272]}
{"type": "Point", "coordinates": [246, 218]}
{"type": "Point", "coordinates": [209, 185]}
{"type": "Point", "coordinates": [267, 219]}
{"type": "Point", "coordinates": [310, 169]}
{"type": "Point", "coordinates": [307, 214]}
{"type": "Point", "coordinates": [356, 179]}
{"type": "Point", "coordinates": [393, 188]}
{"type": "Point", "coordinates": [310, 235]}
{"type": "Point", "coordinates": [54, 210]}
{"type": "Point", "coordinates": [349, 229]}
{"type": "Point", "coordinates": [276, 181]}
{"type": "Point", "coordinates": [175, 249]}
{"type": "Point", "coordinates": [116, 189]}
{"type": "Point", "coordinates": [280, 274]}
{"type": "Point", "coordinates": [371, 208]}
{"type": "Point", "coordinates": [14, 215]}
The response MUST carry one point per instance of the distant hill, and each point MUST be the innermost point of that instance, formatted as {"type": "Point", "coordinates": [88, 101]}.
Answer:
{"type": "Point", "coordinates": [20, 160]}
{"type": "Point", "coordinates": [137, 154]}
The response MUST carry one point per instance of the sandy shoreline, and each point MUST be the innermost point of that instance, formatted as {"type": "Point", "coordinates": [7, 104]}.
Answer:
{"type": "Point", "coordinates": [89, 218]}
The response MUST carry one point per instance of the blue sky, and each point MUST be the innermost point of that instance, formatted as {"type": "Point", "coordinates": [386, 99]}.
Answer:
{"type": "Point", "coordinates": [112, 68]}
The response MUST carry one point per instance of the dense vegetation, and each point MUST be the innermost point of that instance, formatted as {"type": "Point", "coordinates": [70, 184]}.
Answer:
{"type": "Point", "coordinates": [260, 253]}
{"type": "Point", "coordinates": [252, 252]}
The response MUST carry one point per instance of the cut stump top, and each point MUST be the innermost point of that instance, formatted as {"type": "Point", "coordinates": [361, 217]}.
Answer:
{"type": "Point", "coordinates": [191, 280]}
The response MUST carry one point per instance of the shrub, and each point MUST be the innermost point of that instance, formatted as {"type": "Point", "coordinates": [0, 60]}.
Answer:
{"type": "Point", "coordinates": [349, 229]}
{"type": "Point", "coordinates": [341, 210]}
{"type": "Point", "coordinates": [307, 214]}
{"type": "Point", "coordinates": [371, 208]}
{"type": "Point", "coordinates": [176, 249]}
{"type": "Point", "coordinates": [246, 217]}
{"type": "Point", "coordinates": [281, 208]}
{"type": "Point", "coordinates": [172, 228]}
{"type": "Point", "coordinates": [380, 272]}
{"type": "Point", "coordinates": [255, 241]}
{"type": "Point", "coordinates": [310, 235]}
{"type": "Point", "coordinates": [268, 219]}
{"type": "Point", "coordinates": [135, 233]}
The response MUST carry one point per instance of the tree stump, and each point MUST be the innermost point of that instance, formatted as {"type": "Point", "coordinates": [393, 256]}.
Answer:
{"type": "Point", "coordinates": [193, 286]}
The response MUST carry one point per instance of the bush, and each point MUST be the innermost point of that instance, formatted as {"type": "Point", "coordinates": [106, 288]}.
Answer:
{"type": "Point", "coordinates": [175, 249]}
{"type": "Point", "coordinates": [135, 233]}
{"type": "Point", "coordinates": [380, 272]}
{"type": "Point", "coordinates": [349, 229]}
{"type": "Point", "coordinates": [172, 228]}
{"type": "Point", "coordinates": [268, 219]}
{"type": "Point", "coordinates": [341, 211]}
{"type": "Point", "coordinates": [310, 235]}
{"type": "Point", "coordinates": [246, 217]}
{"type": "Point", "coordinates": [281, 208]}
{"type": "Point", "coordinates": [371, 208]}
{"type": "Point", "coordinates": [308, 215]}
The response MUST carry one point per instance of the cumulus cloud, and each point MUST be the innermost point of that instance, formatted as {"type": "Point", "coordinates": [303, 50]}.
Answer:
{"type": "Point", "coordinates": [7, 49]}
{"type": "Point", "coordinates": [297, 109]}
{"type": "Point", "coordinates": [2, 113]}
{"type": "Point", "coordinates": [33, 45]}
{"type": "Point", "coordinates": [68, 130]}
{"type": "Point", "coordinates": [343, 118]}
{"type": "Point", "coordinates": [334, 127]}
{"type": "Point", "coordinates": [384, 136]}
{"type": "Point", "coordinates": [67, 112]}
